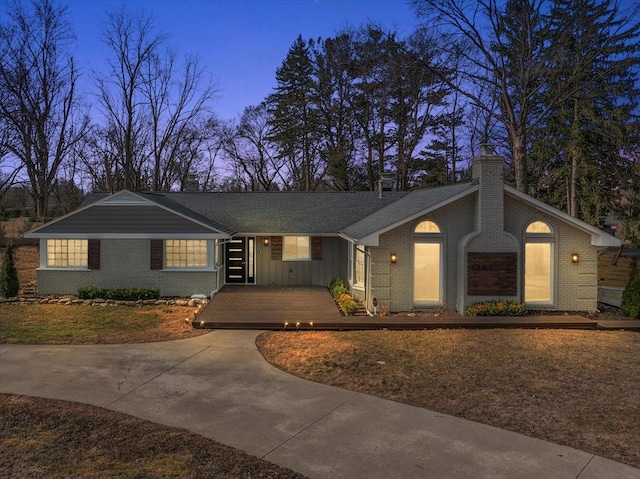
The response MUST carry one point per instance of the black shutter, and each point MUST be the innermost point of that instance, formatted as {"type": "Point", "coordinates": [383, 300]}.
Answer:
{"type": "Point", "coordinates": [276, 248]}
{"type": "Point", "coordinates": [316, 248]}
{"type": "Point", "coordinates": [93, 254]}
{"type": "Point", "coordinates": [157, 250]}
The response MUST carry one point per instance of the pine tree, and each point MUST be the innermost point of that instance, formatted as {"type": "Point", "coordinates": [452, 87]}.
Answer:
{"type": "Point", "coordinates": [579, 147]}
{"type": "Point", "coordinates": [294, 116]}
{"type": "Point", "coordinates": [9, 284]}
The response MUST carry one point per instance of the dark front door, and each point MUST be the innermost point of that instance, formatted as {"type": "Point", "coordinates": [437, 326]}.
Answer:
{"type": "Point", "coordinates": [239, 261]}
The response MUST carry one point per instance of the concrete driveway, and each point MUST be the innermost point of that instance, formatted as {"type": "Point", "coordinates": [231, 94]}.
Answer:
{"type": "Point", "coordinates": [218, 385]}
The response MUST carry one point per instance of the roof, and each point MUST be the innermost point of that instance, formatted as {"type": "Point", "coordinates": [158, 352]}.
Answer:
{"type": "Point", "coordinates": [272, 212]}
{"type": "Point", "coordinates": [360, 216]}
{"type": "Point", "coordinates": [409, 207]}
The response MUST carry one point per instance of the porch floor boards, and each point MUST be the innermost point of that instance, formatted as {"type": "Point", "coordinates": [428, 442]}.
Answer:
{"type": "Point", "coordinates": [269, 308]}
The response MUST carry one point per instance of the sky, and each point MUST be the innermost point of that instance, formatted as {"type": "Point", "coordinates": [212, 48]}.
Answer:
{"type": "Point", "coordinates": [241, 42]}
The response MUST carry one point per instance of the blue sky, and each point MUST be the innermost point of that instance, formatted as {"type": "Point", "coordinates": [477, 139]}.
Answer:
{"type": "Point", "coordinates": [242, 42]}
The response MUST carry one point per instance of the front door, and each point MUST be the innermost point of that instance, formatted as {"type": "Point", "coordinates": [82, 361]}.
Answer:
{"type": "Point", "coordinates": [239, 261]}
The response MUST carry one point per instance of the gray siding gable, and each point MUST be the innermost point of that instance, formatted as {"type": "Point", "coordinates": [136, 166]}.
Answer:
{"type": "Point", "coordinates": [415, 204]}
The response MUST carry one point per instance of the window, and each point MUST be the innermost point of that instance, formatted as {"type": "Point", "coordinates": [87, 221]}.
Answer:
{"type": "Point", "coordinates": [296, 248]}
{"type": "Point", "coordinates": [427, 264]}
{"type": "Point", "coordinates": [67, 253]}
{"type": "Point", "coordinates": [186, 253]}
{"type": "Point", "coordinates": [538, 264]}
{"type": "Point", "coordinates": [359, 266]}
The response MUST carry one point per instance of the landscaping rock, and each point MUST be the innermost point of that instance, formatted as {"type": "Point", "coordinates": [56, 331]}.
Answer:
{"type": "Point", "coordinates": [130, 303]}
{"type": "Point", "coordinates": [99, 301]}
{"type": "Point", "coordinates": [181, 302]}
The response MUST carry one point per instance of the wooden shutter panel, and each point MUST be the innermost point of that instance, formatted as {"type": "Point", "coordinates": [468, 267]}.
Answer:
{"type": "Point", "coordinates": [93, 254]}
{"type": "Point", "coordinates": [157, 250]}
{"type": "Point", "coordinates": [276, 248]}
{"type": "Point", "coordinates": [316, 248]}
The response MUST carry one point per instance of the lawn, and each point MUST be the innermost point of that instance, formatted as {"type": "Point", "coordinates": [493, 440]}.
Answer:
{"type": "Point", "coordinates": [577, 388]}
{"type": "Point", "coordinates": [46, 438]}
{"type": "Point", "coordinates": [80, 324]}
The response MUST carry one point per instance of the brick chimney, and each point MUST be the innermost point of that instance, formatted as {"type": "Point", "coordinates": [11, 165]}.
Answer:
{"type": "Point", "coordinates": [488, 171]}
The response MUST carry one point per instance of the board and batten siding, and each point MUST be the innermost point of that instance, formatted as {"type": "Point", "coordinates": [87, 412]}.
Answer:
{"type": "Point", "coordinates": [271, 270]}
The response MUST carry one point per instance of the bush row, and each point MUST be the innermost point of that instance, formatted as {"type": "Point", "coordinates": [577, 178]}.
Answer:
{"type": "Point", "coordinates": [496, 308]}
{"type": "Point", "coordinates": [121, 294]}
{"type": "Point", "coordinates": [341, 294]}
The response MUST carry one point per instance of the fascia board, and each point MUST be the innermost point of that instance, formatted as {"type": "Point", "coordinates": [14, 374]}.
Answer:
{"type": "Point", "coordinates": [129, 236]}
{"type": "Point", "coordinates": [598, 237]}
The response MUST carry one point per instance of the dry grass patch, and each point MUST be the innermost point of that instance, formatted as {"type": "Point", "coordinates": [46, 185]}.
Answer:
{"type": "Point", "coordinates": [47, 438]}
{"type": "Point", "coordinates": [56, 324]}
{"type": "Point", "coordinates": [577, 388]}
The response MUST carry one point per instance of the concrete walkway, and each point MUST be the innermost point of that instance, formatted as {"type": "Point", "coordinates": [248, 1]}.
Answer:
{"type": "Point", "coordinates": [218, 385]}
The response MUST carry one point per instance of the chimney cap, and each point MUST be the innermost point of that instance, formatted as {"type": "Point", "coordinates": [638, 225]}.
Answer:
{"type": "Point", "coordinates": [486, 149]}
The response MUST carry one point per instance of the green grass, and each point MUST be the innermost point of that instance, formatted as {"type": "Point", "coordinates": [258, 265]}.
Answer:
{"type": "Point", "coordinates": [55, 324]}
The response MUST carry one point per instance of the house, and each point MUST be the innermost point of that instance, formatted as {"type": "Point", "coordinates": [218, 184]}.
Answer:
{"type": "Point", "coordinates": [444, 247]}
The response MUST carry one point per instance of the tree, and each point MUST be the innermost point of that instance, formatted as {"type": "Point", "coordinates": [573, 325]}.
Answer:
{"type": "Point", "coordinates": [294, 117]}
{"type": "Point", "coordinates": [152, 107]}
{"type": "Point", "coordinates": [580, 144]}
{"type": "Point", "coordinates": [39, 111]}
{"type": "Point", "coordinates": [253, 157]}
{"type": "Point", "coordinates": [9, 283]}
{"type": "Point", "coordinates": [506, 54]}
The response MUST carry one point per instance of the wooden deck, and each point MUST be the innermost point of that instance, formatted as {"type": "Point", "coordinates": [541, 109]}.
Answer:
{"type": "Point", "coordinates": [307, 308]}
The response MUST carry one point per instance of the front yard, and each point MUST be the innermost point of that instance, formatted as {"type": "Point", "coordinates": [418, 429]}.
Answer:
{"type": "Point", "coordinates": [577, 388]}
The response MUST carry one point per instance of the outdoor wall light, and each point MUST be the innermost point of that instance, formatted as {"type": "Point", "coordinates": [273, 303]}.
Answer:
{"type": "Point", "coordinates": [266, 241]}
{"type": "Point", "coordinates": [575, 258]}
{"type": "Point", "coordinates": [393, 258]}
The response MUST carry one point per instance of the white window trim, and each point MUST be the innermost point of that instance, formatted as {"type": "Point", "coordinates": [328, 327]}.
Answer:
{"type": "Point", "coordinates": [549, 238]}
{"type": "Point", "coordinates": [359, 284]}
{"type": "Point", "coordinates": [44, 265]}
{"type": "Point", "coordinates": [211, 258]}
{"type": "Point", "coordinates": [434, 238]}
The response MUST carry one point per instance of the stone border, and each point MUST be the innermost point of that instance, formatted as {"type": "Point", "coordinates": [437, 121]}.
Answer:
{"type": "Point", "coordinates": [72, 300]}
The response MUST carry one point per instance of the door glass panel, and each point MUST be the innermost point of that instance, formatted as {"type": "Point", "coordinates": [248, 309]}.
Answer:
{"type": "Point", "coordinates": [426, 273]}
{"type": "Point", "coordinates": [537, 270]}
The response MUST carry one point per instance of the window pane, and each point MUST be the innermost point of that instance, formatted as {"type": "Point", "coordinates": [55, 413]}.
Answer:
{"type": "Point", "coordinates": [62, 253]}
{"type": "Point", "coordinates": [296, 248]}
{"type": "Point", "coordinates": [359, 266]}
{"type": "Point", "coordinates": [538, 227]}
{"type": "Point", "coordinates": [186, 253]}
{"type": "Point", "coordinates": [427, 227]}
{"type": "Point", "coordinates": [426, 273]}
{"type": "Point", "coordinates": [537, 270]}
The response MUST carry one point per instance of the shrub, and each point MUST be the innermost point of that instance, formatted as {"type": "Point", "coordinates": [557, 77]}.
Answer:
{"type": "Point", "coordinates": [121, 294]}
{"type": "Point", "coordinates": [337, 288]}
{"type": "Point", "coordinates": [349, 306]}
{"type": "Point", "coordinates": [630, 304]}
{"type": "Point", "coordinates": [498, 307]}
{"type": "Point", "coordinates": [9, 283]}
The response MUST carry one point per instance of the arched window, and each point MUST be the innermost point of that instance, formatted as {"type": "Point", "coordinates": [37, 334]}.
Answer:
{"type": "Point", "coordinates": [539, 227]}
{"type": "Point", "coordinates": [427, 227]}
{"type": "Point", "coordinates": [538, 263]}
{"type": "Point", "coordinates": [427, 264]}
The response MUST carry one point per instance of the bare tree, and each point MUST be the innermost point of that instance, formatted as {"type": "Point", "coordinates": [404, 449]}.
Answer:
{"type": "Point", "coordinates": [39, 106]}
{"type": "Point", "coordinates": [506, 55]}
{"type": "Point", "coordinates": [152, 105]}
{"type": "Point", "coordinates": [252, 156]}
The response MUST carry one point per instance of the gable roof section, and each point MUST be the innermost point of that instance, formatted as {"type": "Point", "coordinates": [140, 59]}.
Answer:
{"type": "Point", "coordinates": [127, 214]}
{"type": "Point", "coordinates": [417, 203]}
{"type": "Point", "coordinates": [598, 237]}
